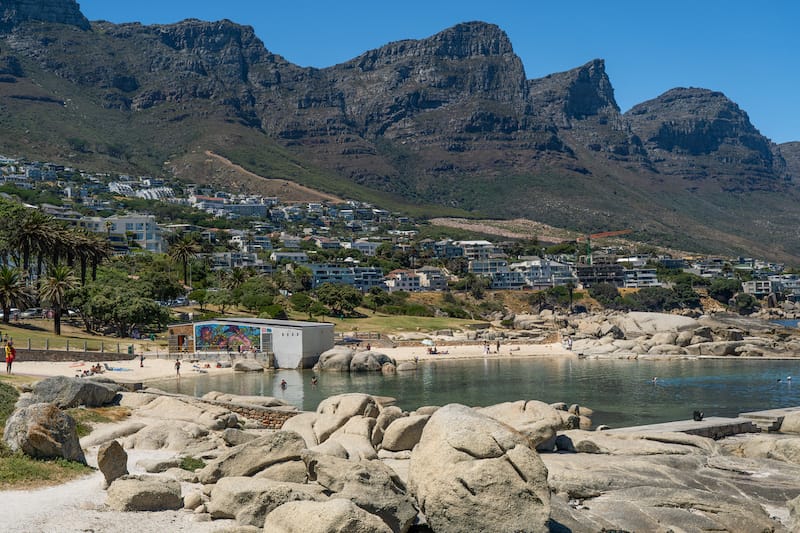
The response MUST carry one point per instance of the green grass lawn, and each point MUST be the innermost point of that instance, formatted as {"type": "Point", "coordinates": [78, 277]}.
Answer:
{"type": "Point", "coordinates": [38, 334]}
{"type": "Point", "coordinates": [387, 324]}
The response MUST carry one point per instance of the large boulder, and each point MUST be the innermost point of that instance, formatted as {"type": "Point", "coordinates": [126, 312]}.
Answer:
{"type": "Point", "coordinates": [791, 423]}
{"type": "Point", "coordinates": [68, 392]}
{"type": "Point", "coordinates": [336, 359]}
{"type": "Point", "coordinates": [333, 516]}
{"type": "Point", "coordinates": [717, 349]}
{"type": "Point", "coordinates": [785, 448]}
{"type": "Point", "coordinates": [638, 323]}
{"type": "Point", "coordinates": [355, 437]}
{"type": "Point", "coordinates": [43, 431]}
{"type": "Point", "coordinates": [369, 361]}
{"type": "Point", "coordinates": [536, 420]}
{"type": "Point", "coordinates": [254, 456]}
{"type": "Point", "coordinates": [112, 432]}
{"type": "Point", "coordinates": [247, 365]}
{"type": "Point", "coordinates": [385, 418]}
{"type": "Point", "coordinates": [470, 472]}
{"type": "Point", "coordinates": [144, 493]}
{"type": "Point", "coordinates": [688, 492]}
{"type": "Point", "coordinates": [262, 401]}
{"type": "Point", "coordinates": [250, 500]}
{"type": "Point", "coordinates": [404, 433]}
{"type": "Point", "coordinates": [112, 460]}
{"type": "Point", "coordinates": [371, 485]}
{"type": "Point", "coordinates": [349, 405]}
{"type": "Point", "coordinates": [170, 408]}
{"type": "Point", "coordinates": [633, 443]}
{"type": "Point", "coordinates": [335, 411]}
{"type": "Point", "coordinates": [303, 424]}
{"type": "Point", "coordinates": [170, 435]}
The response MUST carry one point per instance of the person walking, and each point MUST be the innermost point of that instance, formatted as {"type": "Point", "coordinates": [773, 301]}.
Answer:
{"type": "Point", "coordinates": [178, 368]}
{"type": "Point", "coordinates": [11, 354]}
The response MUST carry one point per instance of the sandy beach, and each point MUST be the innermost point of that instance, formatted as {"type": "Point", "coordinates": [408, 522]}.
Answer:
{"type": "Point", "coordinates": [155, 368]}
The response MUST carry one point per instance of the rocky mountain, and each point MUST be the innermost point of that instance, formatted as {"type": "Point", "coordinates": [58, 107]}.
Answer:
{"type": "Point", "coordinates": [449, 123]}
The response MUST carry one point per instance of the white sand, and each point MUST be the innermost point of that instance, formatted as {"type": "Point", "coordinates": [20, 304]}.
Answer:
{"type": "Point", "coordinates": [152, 369]}
{"type": "Point", "coordinates": [160, 368]}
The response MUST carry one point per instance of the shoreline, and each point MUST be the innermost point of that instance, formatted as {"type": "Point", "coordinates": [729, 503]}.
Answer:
{"type": "Point", "coordinates": [160, 369]}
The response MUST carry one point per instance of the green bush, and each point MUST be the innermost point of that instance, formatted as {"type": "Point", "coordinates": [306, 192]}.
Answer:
{"type": "Point", "coordinates": [191, 463]}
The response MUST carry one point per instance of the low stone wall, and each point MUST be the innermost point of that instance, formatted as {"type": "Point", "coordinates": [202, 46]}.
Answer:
{"type": "Point", "coordinates": [269, 417]}
{"type": "Point", "coordinates": [23, 354]}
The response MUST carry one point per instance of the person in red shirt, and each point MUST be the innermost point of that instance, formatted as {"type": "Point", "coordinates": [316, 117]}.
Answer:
{"type": "Point", "coordinates": [11, 354]}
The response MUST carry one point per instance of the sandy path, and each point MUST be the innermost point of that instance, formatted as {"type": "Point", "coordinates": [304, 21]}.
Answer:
{"type": "Point", "coordinates": [79, 507]}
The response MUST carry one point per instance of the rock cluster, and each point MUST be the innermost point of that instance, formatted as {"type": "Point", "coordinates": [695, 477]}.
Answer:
{"type": "Point", "coordinates": [343, 359]}
{"type": "Point", "coordinates": [637, 334]}
{"type": "Point", "coordinates": [359, 464]}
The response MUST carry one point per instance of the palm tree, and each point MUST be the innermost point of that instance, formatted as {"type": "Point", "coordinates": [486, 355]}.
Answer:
{"type": "Point", "coordinates": [13, 291]}
{"type": "Point", "coordinates": [91, 249]}
{"type": "Point", "coordinates": [235, 278]}
{"type": "Point", "coordinates": [53, 289]}
{"type": "Point", "coordinates": [35, 234]}
{"type": "Point", "coordinates": [183, 252]}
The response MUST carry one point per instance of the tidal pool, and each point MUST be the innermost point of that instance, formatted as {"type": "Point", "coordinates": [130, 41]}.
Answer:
{"type": "Point", "coordinates": [621, 392]}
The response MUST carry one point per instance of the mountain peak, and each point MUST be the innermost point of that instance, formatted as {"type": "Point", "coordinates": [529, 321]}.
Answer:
{"type": "Point", "coordinates": [14, 12]}
{"type": "Point", "coordinates": [471, 39]}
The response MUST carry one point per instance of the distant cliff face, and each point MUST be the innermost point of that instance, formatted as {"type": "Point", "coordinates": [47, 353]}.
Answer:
{"type": "Point", "coordinates": [450, 120]}
{"type": "Point", "coordinates": [13, 12]}
{"type": "Point", "coordinates": [699, 134]}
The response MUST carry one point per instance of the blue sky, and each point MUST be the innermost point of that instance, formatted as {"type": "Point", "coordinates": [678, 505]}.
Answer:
{"type": "Point", "coordinates": [750, 51]}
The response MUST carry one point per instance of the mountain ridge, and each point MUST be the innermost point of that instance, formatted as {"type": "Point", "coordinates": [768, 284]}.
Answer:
{"type": "Point", "coordinates": [446, 122]}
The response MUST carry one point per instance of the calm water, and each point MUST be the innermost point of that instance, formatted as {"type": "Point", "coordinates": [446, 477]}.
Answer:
{"type": "Point", "coordinates": [621, 392]}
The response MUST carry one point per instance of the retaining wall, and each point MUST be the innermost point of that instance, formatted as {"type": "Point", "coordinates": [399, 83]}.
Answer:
{"type": "Point", "coordinates": [271, 418]}
{"type": "Point", "coordinates": [24, 354]}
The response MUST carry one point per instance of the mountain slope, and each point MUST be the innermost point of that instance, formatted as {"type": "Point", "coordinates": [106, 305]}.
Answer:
{"type": "Point", "coordinates": [449, 124]}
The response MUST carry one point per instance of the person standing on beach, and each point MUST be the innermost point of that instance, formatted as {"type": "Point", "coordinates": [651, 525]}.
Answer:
{"type": "Point", "coordinates": [141, 360]}
{"type": "Point", "coordinates": [11, 354]}
{"type": "Point", "coordinates": [178, 368]}
{"type": "Point", "coordinates": [498, 345]}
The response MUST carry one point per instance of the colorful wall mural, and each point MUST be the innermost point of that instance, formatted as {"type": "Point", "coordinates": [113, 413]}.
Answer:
{"type": "Point", "coordinates": [227, 337]}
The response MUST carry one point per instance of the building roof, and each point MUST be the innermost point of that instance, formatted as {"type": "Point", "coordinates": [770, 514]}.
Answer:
{"type": "Point", "coordinates": [246, 321]}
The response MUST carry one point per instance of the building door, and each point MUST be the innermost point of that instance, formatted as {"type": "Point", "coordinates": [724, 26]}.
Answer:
{"type": "Point", "coordinates": [266, 340]}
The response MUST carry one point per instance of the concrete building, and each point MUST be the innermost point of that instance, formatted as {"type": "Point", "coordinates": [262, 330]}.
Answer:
{"type": "Point", "coordinates": [432, 279]}
{"type": "Point", "coordinates": [293, 344]}
{"type": "Point", "coordinates": [638, 278]}
{"type": "Point", "coordinates": [140, 228]}
{"type": "Point", "coordinates": [402, 280]}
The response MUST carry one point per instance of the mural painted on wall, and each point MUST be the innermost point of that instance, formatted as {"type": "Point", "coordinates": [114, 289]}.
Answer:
{"type": "Point", "coordinates": [227, 337]}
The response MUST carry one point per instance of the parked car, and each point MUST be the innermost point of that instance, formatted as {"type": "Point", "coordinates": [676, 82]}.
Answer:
{"type": "Point", "coordinates": [13, 313]}
{"type": "Point", "coordinates": [33, 312]}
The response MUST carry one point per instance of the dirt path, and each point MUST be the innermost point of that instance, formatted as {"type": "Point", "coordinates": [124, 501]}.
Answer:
{"type": "Point", "coordinates": [278, 182]}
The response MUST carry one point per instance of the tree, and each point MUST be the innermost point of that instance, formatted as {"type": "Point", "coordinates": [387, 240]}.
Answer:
{"type": "Point", "coordinates": [200, 296]}
{"type": "Point", "coordinates": [222, 298]}
{"type": "Point", "coordinates": [723, 289]}
{"type": "Point", "coordinates": [341, 299]}
{"type": "Point", "coordinates": [745, 304]}
{"type": "Point", "coordinates": [182, 252]}
{"type": "Point", "coordinates": [13, 291]}
{"type": "Point", "coordinates": [53, 289]}
{"type": "Point", "coordinates": [604, 293]}
{"type": "Point", "coordinates": [301, 302]}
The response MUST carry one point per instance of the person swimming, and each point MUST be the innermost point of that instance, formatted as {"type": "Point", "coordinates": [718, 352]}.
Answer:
{"type": "Point", "coordinates": [283, 384]}
{"type": "Point", "coordinates": [655, 380]}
